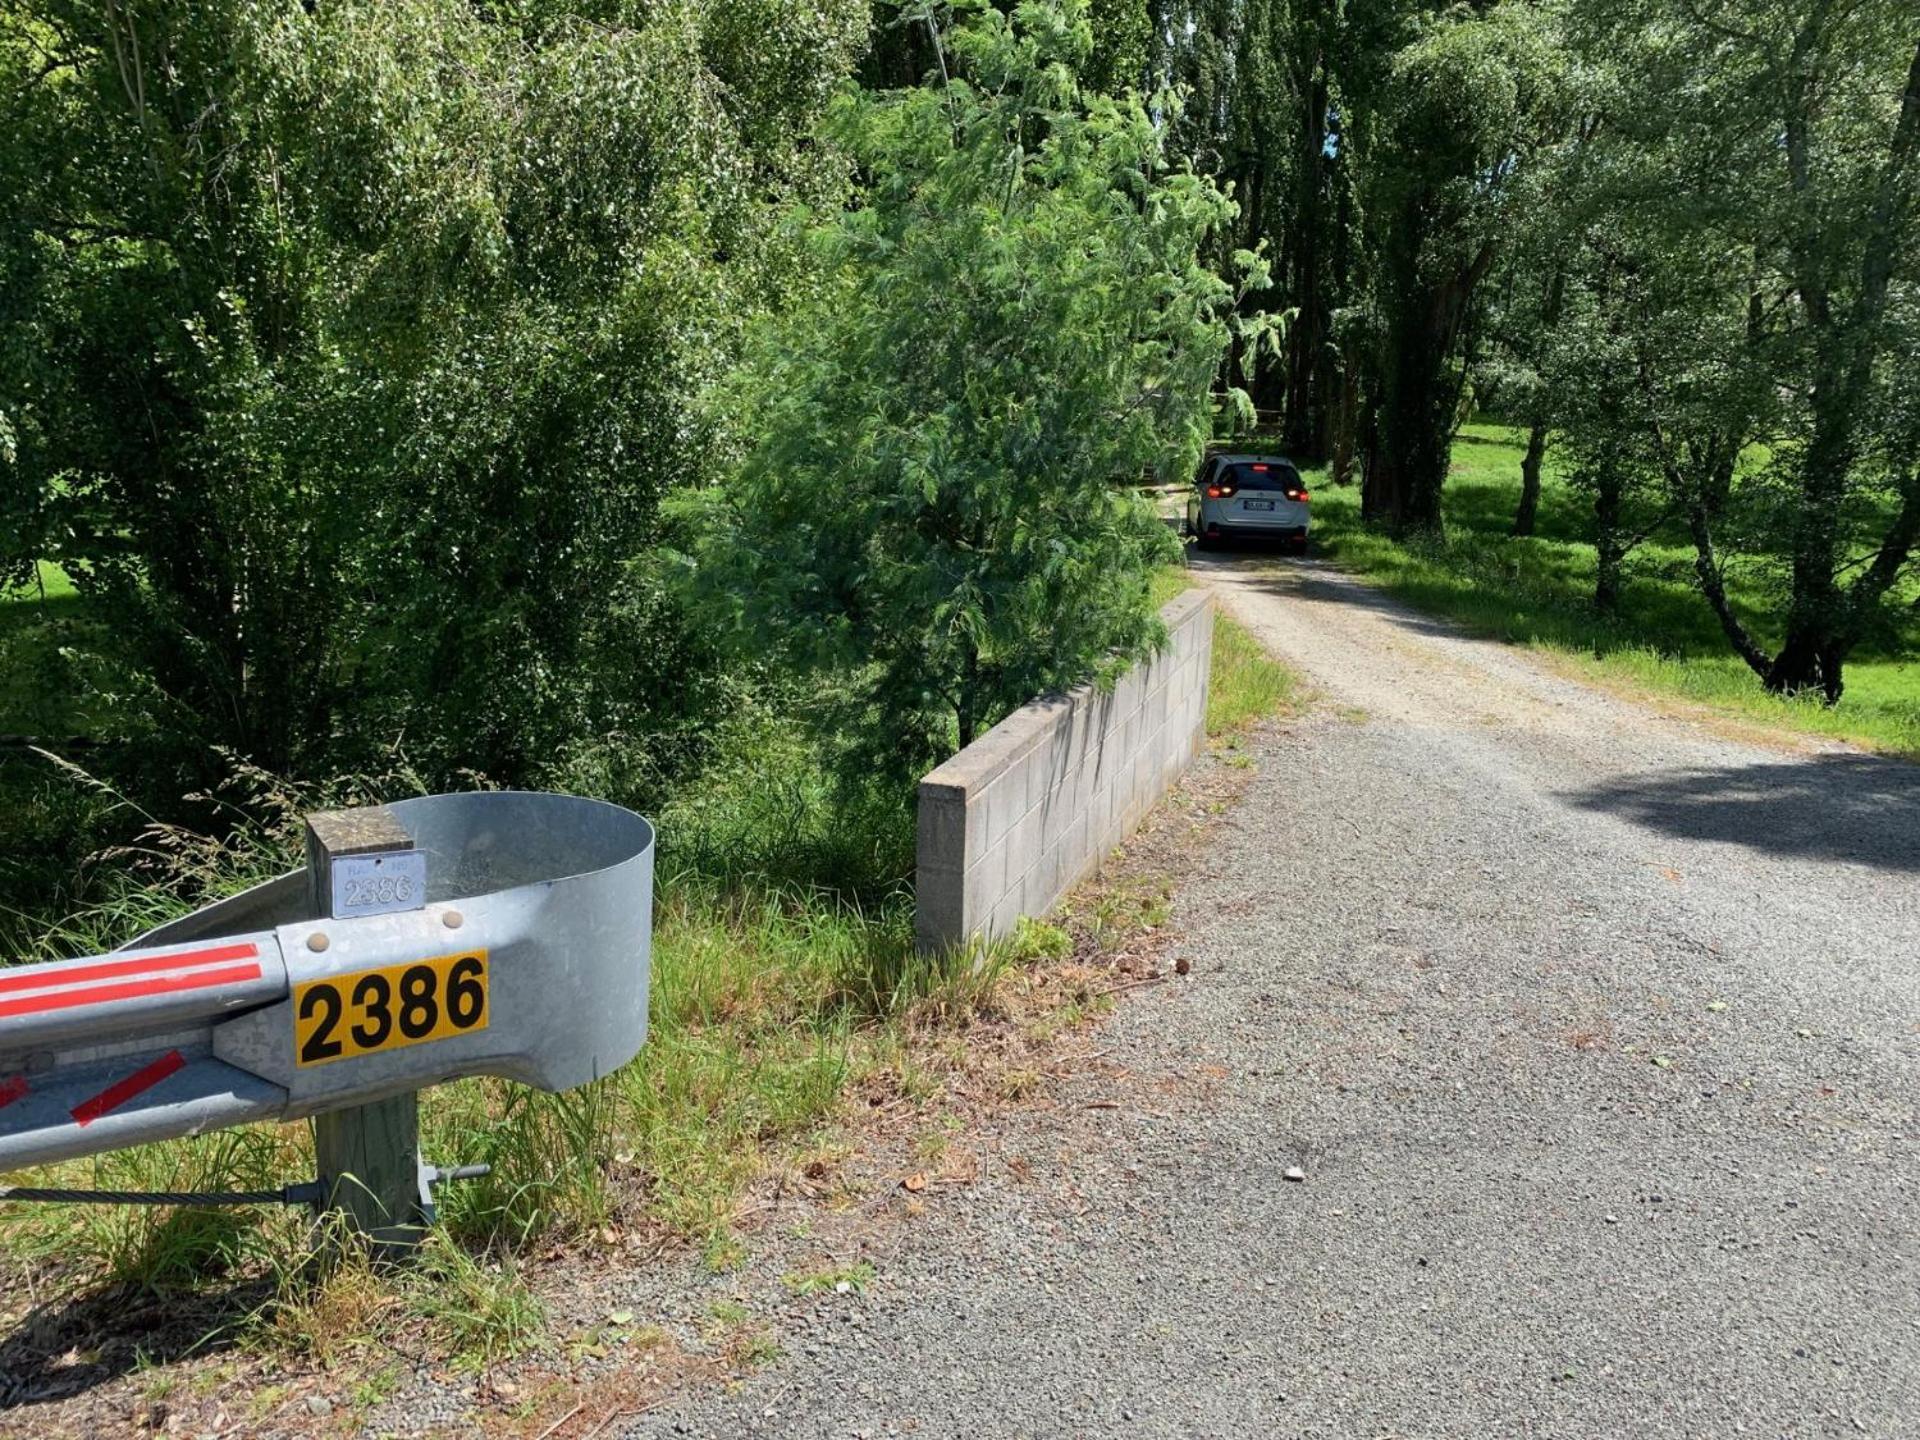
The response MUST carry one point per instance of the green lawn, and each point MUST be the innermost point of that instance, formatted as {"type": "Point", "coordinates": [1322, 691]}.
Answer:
{"type": "Point", "coordinates": [34, 622]}
{"type": "Point", "coordinates": [1538, 592]}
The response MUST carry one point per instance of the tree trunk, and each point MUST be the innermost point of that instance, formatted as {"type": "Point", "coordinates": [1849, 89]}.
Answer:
{"type": "Point", "coordinates": [1305, 427]}
{"type": "Point", "coordinates": [1416, 425]}
{"type": "Point", "coordinates": [1816, 659]}
{"type": "Point", "coordinates": [1812, 659]}
{"type": "Point", "coordinates": [1609, 545]}
{"type": "Point", "coordinates": [1339, 374]}
{"type": "Point", "coordinates": [1421, 394]}
{"type": "Point", "coordinates": [1524, 517]}
{"type": "Point", "coordinates": [967, 711]}
{"type": "Point", "coordinates": [1706, 568]}
{"type": "Point", "coordinates": [1346, 419]}
{"type": "Point", "coordinates": [1372, 507]}
{"type": "Point", "coordinates": [1822, 624]}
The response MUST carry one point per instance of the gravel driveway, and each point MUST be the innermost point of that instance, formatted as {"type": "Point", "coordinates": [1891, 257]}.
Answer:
{"type": "Point", "coordinates": [1596, 1035]}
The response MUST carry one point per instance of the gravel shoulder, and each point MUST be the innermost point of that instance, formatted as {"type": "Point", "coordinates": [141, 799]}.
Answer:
{"type": "Point", "coordinates": [1595, 1034]}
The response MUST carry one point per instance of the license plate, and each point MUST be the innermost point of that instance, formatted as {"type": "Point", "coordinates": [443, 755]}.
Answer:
{"type": "Point", "coordinates": [365, 1012]}
{"type": "Point", "coordinates": [1259, 504]}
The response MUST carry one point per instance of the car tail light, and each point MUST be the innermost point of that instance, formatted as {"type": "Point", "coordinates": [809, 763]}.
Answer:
{"type": "Point", "coordinates": [1219, 492]}
{"type": "Point", "coordinates": [1298, 494]}
{"type": "Point", "coordinates": [1258, 469]}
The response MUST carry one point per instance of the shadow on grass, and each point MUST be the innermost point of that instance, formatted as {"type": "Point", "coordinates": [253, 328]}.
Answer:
{"type": "Point", "coordinates": [1858, 809]}
{"type": "Point", "coordinates": [1481, 507]}
{"type": "Point", "coordinates": [69, 1346]}
{"type": "Point", "coordinates": [21, 609]}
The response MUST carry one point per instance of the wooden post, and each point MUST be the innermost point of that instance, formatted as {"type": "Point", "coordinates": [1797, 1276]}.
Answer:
{"type": "Point", "coordinates": [368, 1155]}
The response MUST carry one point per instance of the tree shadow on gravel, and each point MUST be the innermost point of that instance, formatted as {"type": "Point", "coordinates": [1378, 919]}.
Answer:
{"type": "Point", "coordinates": [1861, 809]}
{"type": "Point", "coordinates": [1306, 577]}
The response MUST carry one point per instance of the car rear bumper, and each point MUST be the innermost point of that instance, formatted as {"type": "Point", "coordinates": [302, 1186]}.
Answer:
{"type": "Point", "coordinates": [1284, 529]}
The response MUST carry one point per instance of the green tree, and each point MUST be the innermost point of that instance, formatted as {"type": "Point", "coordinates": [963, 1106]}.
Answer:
{"type": "Point", "coordinates": [1759, 175]}
{"type": "Point", "coordinates": [1588, 383]}
{"type": "Point", "coordinates": [1121, 55]}
{"type": "Point", "coordinates": [1447, 139]}
{"type": "Point", "coordinates": [1256, 79]}
{"type": "Point", "coordinates": [1013, 328]}
{"type": "Point", "coordinates": [1531, 306]}
{"type": "Point", "coordinates": [346, 350]}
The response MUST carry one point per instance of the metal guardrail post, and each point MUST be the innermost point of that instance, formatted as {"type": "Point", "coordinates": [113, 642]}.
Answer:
{"type": "Point", "coordinates": [368, 1156]}
{"type": "Point", "coordinates": [492, 933]}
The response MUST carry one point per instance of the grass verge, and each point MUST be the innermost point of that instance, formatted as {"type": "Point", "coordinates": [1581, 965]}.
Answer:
{"type": "Point", "coordinates": [1246, 683]}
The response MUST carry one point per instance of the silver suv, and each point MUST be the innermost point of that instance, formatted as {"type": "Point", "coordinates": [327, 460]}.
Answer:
{"type": "Point", "coordinates": [1248, 495]}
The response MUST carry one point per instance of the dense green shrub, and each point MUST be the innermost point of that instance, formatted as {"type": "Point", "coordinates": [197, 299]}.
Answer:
{"type": "Point", "coordinates": [346, 351]}
{"type": "Point", "coordinates": [1012, 327]}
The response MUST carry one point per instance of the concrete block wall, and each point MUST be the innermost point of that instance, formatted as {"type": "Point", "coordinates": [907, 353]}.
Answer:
{"type": "Point", "coordinates": [1012, 822]}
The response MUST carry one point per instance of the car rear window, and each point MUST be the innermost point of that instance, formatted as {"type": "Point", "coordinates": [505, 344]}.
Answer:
{"type": "Point", "coordinates": [1263, 477]}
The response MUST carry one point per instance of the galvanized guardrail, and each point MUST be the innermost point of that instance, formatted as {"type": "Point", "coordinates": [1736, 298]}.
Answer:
{"type": "Point", "coordinates": [510, 936]}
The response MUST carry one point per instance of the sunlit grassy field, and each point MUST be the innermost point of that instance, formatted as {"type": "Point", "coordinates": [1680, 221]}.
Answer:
{"type": "Point", "coordinates": [1538, 592]}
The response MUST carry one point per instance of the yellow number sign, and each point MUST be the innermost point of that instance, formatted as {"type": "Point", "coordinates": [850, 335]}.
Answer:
{"type": "Point", "coordinates": [367, 1011]}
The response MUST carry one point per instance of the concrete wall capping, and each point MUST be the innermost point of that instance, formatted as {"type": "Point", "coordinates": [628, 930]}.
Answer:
{"type": "Point", "coordinates": [1015, 820]}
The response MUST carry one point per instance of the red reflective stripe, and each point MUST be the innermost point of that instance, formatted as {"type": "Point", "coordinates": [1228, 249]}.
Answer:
{"type": "Point", "coordinates": [144, 965]}
{"type": "Point", "coordinates": [12, 1090]}
{"type": "Point", "coordinates": [121, 1091]}
{"type": "Point", "coordinates": [98, 994]}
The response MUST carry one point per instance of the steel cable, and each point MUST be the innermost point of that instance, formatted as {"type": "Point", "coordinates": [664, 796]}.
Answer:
{"type": "Point", "coordinates": [304, 1194]}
